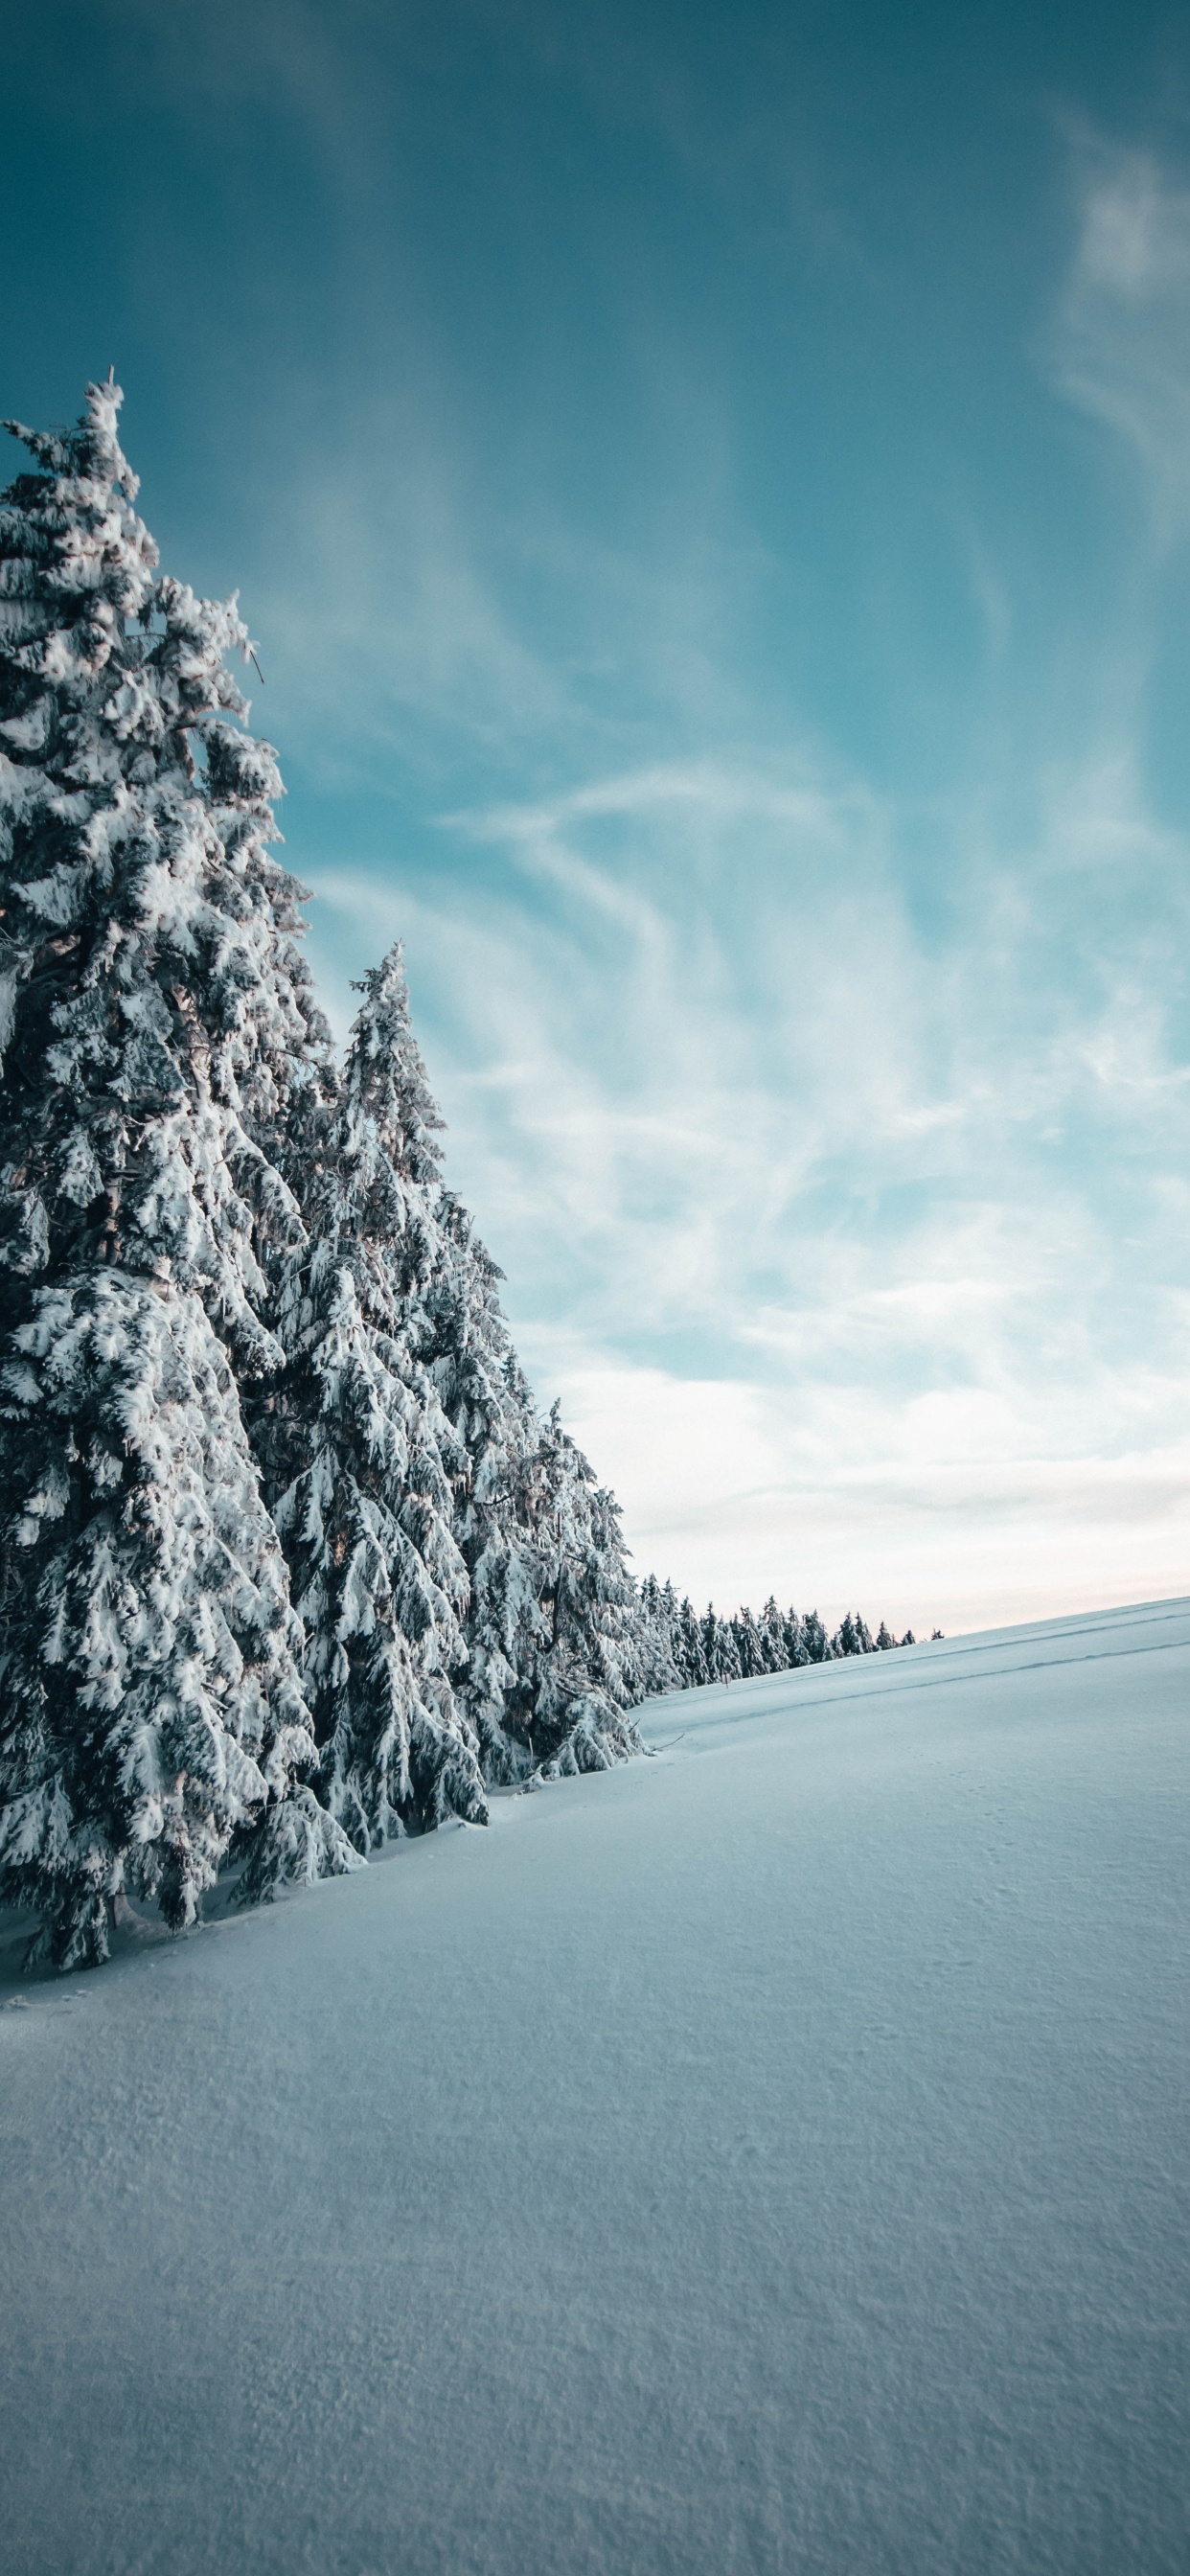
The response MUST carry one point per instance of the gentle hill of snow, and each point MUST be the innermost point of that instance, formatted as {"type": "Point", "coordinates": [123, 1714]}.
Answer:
{"type": "Point", "coordinates": [770, 2157]}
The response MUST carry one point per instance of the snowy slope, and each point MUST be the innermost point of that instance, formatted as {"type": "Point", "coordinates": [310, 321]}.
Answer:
{"type": "Point", "coordinates": [773, 2156]}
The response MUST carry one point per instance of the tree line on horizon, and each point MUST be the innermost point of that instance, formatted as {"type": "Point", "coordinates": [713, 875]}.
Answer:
{"type": "Point", "coordinates": [745, 1645]}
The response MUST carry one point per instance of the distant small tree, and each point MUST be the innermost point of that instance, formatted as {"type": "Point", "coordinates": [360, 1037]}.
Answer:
{"type": "Point", "coordinates": [708, 1638]}
{"type": "Point", "coordinates": [727, 1655]}
{"type": "Point", "coordinates": [795, 1649]}
{"type": "Point", "coordinates": [691, 1654]}
{"type": "Point", "coordinates": [772, 1636]}
{"type": "Point", "coordinates": [657, 1643]}
{"type": "Point", "coordinates": [853, 1636]}
{"type": "Point", "coordinates": [749, 1646]}
{"type": "Point", "coordinates": [819, 1649]}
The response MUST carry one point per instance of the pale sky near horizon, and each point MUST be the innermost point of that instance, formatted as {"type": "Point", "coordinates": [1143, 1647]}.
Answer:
{"type": "Point", "coordinates": [712, 490]}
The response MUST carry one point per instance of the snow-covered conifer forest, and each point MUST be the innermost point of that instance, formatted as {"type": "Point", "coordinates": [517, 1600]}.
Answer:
{"type": "Point", "coordinates": [292, 1564]}
{"type": "Point", "coordinates": [772, 2154]}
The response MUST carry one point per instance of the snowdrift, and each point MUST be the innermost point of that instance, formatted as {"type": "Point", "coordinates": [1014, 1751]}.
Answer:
{"type": "Point", "coordinates": [773, 2156]}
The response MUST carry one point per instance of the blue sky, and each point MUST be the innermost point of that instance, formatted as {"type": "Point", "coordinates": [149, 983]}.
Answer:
{"type": "Point", "coordinates": [712, 490]}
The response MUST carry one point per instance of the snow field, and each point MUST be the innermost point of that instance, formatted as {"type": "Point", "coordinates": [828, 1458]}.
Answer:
{"type": "Point", "coordinates": [771, 2157]}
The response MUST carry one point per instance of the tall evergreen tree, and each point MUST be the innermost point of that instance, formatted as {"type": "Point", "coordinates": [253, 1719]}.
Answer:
{"type": "Point", "coordinates": [690, 1646]}
{"type": "Point", "coordinates": [159, 1036]}
{"type": "Point", "coordinates": [585, 1670]}
{"type": "Point", "coordinates": [553, 1632]}
{"type": "Point", "coordinates": [361, 1460]}
{"type": "Point", "coordinates": [490, 1409]}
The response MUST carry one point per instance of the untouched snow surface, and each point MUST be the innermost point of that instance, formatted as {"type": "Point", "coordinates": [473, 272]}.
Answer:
{"type": "Point", "coordinates": [769, 2157]}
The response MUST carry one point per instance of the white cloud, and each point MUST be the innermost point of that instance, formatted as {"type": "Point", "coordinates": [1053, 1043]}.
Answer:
{"type": "Point", "coordinates": [1121, 349]}
{"type": "Point", "coordinates": [387, 620]}
{"type": "Point", "coordinates": [841, 1196]}
{"type": "Point", "coordinates": [953, 1510]}
{"type": "Point", "coordinates": [908, 1212]}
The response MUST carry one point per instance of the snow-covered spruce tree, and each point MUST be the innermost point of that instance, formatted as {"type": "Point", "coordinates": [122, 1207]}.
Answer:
{"type": "Point", "coordinates": [655, 1626]}
{"type": "Point", "coordinates": [708, 1638]}
{"type": "Point", "coordinates": [490, 1409]}
{"type": "Point", "coordinates": [360, 1460]}
{"type": "Point", "coordinates": [720, 1648]}
{"type": "Point", "coordinates": [749, 1645]}
{"type": "Point", "coordinates": [772, 1630]}
{"type": "Point", "coordinates": [819, 1649]}
{"type": "Point", "coordinates": [587, 1668]}
{"type": "Point", "coordinates": [692, 1661]}
{"type": "Point", "coordinates": [160, 1043]}
{"type": "Point", "coordinates": [796, 1651]}
{"type": "Point", "coordinates": [555, 1641]}
{"type": "Point", "coordinates": [664, 1654]}
{"type": "Point", "coordinates": [852, 1636]}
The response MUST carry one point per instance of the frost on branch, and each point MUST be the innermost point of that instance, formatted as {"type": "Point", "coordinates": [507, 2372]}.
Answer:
{"type": "Point", "coordinates": [153, 1671]}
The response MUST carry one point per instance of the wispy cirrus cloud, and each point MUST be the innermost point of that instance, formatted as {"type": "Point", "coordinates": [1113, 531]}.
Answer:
{"type": "Point", "coordinates": [689, 620]}
{"type": "Point", "coordinates": [832, 1136]}
{"type": "Point", "coordinates": [823, 1227]}
{"type": "Point", "coordinates": [1121, 342]}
